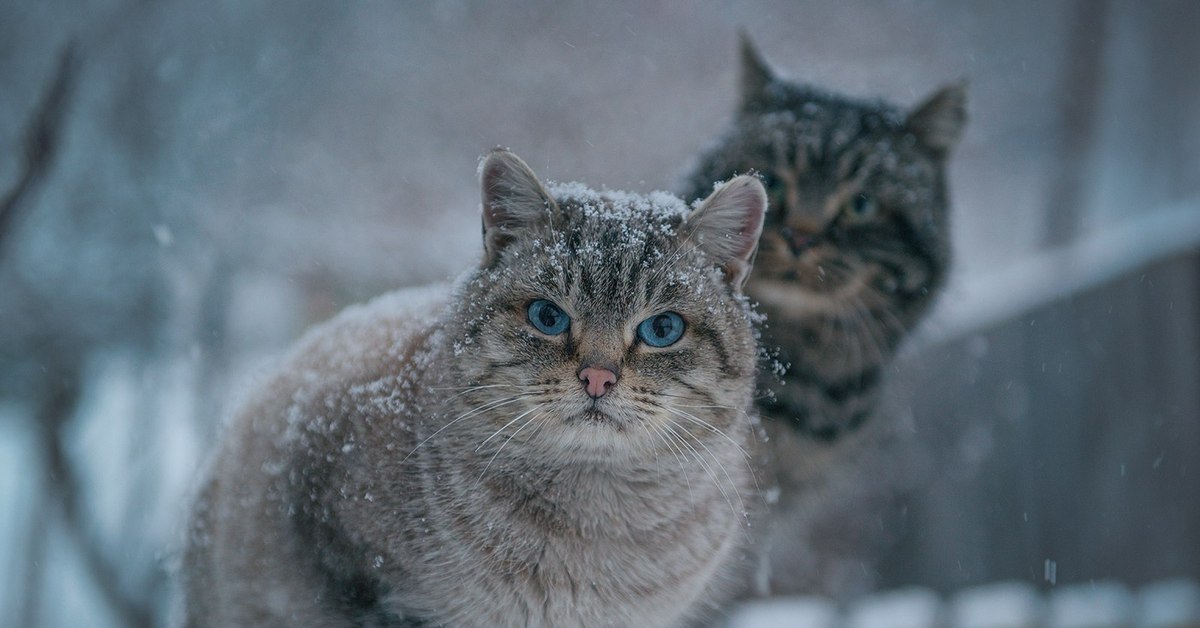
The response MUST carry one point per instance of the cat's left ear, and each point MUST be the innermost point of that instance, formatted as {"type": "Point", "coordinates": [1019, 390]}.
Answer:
{"type": "Point", "coordinates": [513, 199]}
{"type": "Point", "coordinates": [726, 226]}
{"type": "Point", "coordinates": [755, 73]}
{"type": "Point", "coordinates": [938, 122]}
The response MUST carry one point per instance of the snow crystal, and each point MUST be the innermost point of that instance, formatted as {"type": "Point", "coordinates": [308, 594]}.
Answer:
{"type": "Point", "coordinates": [618, 205]}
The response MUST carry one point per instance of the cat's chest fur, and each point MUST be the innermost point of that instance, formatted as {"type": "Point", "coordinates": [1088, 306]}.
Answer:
{"type": "Point", "coordinates": [365, 495]}
{"type": "Point", "coordinates": [584, 549]}
{"type": "Point", "coordinates": [557, 440]}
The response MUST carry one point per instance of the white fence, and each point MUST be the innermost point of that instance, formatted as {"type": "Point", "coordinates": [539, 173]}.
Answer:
{"type": "Point", "coordinates": [1163, 604]}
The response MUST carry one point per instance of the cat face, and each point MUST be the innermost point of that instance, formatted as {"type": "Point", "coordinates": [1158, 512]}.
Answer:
{"type": "Point", "coordinates": [851, 220]}
{"type": "Point", "coordinates": [603, 324]}
{"type": "Point", "coordinates": [857, 216]}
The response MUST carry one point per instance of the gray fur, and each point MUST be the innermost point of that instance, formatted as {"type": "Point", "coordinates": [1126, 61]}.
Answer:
{"type": "Point", "coordinates": [839, 308]}
{"type": "Point", "coordinates": [841, 288]}
{"type": "Point", "coordinates": [727, 225]}
{"type": "Point", "coordinates": [431, 459]}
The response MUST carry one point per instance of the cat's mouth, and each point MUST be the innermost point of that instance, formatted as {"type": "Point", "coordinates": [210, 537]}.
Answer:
{"type": "Point", "coordinates": [594, 414]}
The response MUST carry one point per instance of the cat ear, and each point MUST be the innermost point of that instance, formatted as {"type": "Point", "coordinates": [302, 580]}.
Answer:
{"type": "Point", "coordinates": [755, 73]}
{"type": "Point", "coordinates": [938, 122]}
{"type": "Point", "coordinates": [513, 199]}
{"type": "Point", "coordinates": [726, 226]}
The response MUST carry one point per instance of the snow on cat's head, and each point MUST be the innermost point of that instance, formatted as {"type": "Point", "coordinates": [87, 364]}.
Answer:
{"type": "Point", "coordinates": [605, 324]}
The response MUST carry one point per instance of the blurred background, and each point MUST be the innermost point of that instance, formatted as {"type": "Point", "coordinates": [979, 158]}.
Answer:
{"type": "Point", "coordinates": [186, 186]}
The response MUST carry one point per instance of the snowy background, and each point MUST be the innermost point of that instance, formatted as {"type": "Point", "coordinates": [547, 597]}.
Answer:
{"type": "Point", "coordinates": [207, 179]}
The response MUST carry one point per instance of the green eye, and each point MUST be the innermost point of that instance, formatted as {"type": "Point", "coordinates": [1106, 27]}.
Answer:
{"type": "Point", "coordinates": [861, 207]}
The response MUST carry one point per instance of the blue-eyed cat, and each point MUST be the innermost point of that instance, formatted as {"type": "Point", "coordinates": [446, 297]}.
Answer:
{"type": "Point", "coordinates": [558, 440]}
{"type": "Point", "coordinates": [854, 250]}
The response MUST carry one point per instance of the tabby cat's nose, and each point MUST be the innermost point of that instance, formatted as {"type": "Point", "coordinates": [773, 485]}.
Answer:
{"type": "Point", "coordinates": [798, 241]}
{"type": "Point", "coordinates": [597, 381]}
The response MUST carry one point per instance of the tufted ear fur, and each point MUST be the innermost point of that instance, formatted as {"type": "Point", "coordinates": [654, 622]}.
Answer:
{"type": "Point", "coordinates": [513, 199]}
{"type": "Point", "coordinates": [726, 226]}
{"type": "Point", "coordinates": [755, 73]}
{"type": "Point", "coordinates": [938, 122]}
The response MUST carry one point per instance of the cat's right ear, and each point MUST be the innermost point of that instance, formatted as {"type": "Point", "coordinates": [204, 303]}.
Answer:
{"type": "Point", "coordinates": [513, 199]}
{"type": "Point", "coordinates": [755, 73]}
{"type": "Point", "coordinates": [938, 121]}
{"type": "Point", "coordinates": [727, 224]}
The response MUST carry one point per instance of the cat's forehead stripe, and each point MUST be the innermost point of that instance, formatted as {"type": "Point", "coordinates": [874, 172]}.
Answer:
{"type": "Point", "coordinates": [616, 256]}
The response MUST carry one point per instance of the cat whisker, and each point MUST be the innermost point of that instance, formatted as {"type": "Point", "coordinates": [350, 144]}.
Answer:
{"type": "Point", "coordinates": [505, 426]}
{"type": "Point", "coordinates": [680, 458]}
{"type": "Point", "coordinates": [885, 308]}
{"type": "Point", "coordinates": [699, 458]}
{"type": "Point", "coordinates": [508, 440]}
{"type": "Point", "coordinates": [650, 428]}
{"type": "Point", "coordinates": [872, 324]}
{"type": "Point", "coordinates": [879, 326]}
{"type": "Point", "coordinates": [742, 411]}
{"type": "Point", "coordinates": [468, 414]}
{"type": "Point", "coordinates": [674, 396]}
{"type": "Point", "coordinates": [470, 389]}
{"type": "Point", "coordinates": [705, 424]}
{"type": "Point", "coordinates": [835, 326]}
{"type": "Point", "coordinates": [863, 334]}
{"type": "Point", "coordinates": [746, 457]}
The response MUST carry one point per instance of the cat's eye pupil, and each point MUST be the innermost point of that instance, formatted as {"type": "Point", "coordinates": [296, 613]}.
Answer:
{"type": "Point", "coordinates": [548, 318]}
{"type": "Point", "coordinates": [661, 330]}
{"type": "Point", "coordinates": [862, 205]}
{"type": "Point", "coordinates": [663, 326]}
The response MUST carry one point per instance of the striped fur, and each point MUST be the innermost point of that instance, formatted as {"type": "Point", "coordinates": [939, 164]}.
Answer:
{"type": "Point", "coordinates": [854, 250]}
{"type": "Point", "coordinates": [855, 245]}
{"type": "Point", "coordinates": [431, 459]}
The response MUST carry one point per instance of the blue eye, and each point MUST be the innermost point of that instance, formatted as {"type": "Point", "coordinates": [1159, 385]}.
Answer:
{"type": "Point", "coordinates": [661, 330]}
{"type": "Point", "coordinates": [548, 318]}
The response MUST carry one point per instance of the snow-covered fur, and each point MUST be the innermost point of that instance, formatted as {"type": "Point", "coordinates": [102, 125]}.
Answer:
{"type": "Point", "coordinates": [855, 248]}
{"type": "Point", "coordinates": [432, 458]}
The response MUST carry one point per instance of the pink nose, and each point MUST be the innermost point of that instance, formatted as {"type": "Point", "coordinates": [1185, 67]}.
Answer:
{"type": "Point", "coordinates": [597, 381]}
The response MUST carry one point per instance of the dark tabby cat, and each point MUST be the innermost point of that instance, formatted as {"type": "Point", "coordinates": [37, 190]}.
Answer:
{"type": "Point", "coordinates": [557, 441]}
{"type": "Point", "coordinates": [854, 249]}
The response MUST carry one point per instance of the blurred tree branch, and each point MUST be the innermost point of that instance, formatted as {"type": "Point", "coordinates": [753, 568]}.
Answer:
{"type": "Point", "coordinates": [63, 497]}
{"type": "Point", "coordinates": [58, 400]}
{"type": "Point", "coordinates": [65, 488]}
{"type": "Point", "coordinates": [42, 139]}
